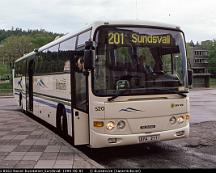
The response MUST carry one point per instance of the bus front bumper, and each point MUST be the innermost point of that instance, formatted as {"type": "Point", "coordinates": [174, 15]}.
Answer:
{"type": "Point", "coordinates": [99, 140]}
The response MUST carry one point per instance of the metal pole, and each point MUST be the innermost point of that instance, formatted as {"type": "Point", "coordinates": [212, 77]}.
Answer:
{"type": "Point", "coordinates": [136, 9]}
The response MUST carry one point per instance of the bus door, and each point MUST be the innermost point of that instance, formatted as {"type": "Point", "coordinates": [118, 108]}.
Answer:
{"type": "Point", "coordinates": [29, 85]}
{"type": "Point", "coordinates": [80, 101]}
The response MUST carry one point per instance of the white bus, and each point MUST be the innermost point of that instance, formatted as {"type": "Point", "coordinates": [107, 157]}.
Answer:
{"type": "Point", "coordinates": [111, 84]}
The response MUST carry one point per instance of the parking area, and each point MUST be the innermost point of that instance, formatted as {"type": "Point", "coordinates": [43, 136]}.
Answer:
{"type": "Point", "coordinates": [24, 143]}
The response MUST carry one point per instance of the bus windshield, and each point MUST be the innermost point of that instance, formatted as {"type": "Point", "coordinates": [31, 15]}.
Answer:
{"type": "Point", "coordinates": [138, 60]}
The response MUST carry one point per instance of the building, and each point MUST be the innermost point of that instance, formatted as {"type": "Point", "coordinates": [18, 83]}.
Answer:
{"type": "Point", "coordinates": [199, 65]}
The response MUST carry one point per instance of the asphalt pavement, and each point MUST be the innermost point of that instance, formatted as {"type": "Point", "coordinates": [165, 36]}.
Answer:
{"type": "Point", "coordinates": [202, 105]}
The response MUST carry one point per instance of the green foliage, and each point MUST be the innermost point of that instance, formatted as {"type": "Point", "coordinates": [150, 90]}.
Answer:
{"type": "Point", "coordinates": [213, 82]}
{"type": "Point", "coordinates": [40, 39]}
{"type": "Point", "coordinates": [211, 46]}
{"type": "Point", "coordinates": [5, 86]}
{"type": "Point", "coordinates": [6, 89]}
{"type": "Point", "coordinates": [35, 35]}
{"type": "Point", "coordinates": [15, 47]}
{"type": "Point", "coordinates": [4, 69]}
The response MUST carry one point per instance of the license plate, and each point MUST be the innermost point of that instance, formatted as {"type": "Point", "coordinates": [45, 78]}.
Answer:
{"type": "Point", "coordinates": [151, 138]}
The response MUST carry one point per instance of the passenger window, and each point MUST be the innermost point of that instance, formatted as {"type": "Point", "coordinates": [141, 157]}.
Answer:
{"type": "Point", "coordinates": [39, 65]}
{"type": "Point", "coordinates": [53, 63]}
{"type": "Point", "coordinates": [68, 45]}
{"type": "Point", "coordinates": [67, 66]}
{"type": "Point", "coordinates": [82, 38]}
{"type": "Point", "coordinates": [45, 63]}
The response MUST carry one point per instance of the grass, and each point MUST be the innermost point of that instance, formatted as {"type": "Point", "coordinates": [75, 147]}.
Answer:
{"type": "Point", "coordinates": [5, 84]}
{"type": "Point", "coordinates": [6, 88]}
{"type": "Point", "coordinates": [4, 70]}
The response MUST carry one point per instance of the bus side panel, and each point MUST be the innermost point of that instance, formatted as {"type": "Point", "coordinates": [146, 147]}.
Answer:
{"type": "Point", "coordinates": [49, 91]}
{"type": "Point", "coordinates": [81, 127]}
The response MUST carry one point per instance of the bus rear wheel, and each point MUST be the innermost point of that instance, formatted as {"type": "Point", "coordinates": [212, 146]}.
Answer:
{"type": "Point", "coordinates": [61, 121]}
{"type": "Point", "coordinates": [20, 102]}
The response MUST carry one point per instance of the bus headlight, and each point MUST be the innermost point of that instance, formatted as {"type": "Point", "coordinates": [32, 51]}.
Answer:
{"type": "Point", "coordinates": [180, 119]}
{"type": "Point", "coordinates": [121, 124]}
{"type": "Point", "coordinates": [187, 117]}
{"type": "Point", "coordinates": [110, 125]}
{"type": "Point", "coordinates": [172, 120]}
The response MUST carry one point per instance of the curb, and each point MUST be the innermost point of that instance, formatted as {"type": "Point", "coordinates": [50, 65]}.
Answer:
{"type": "Point", "coordinates": [86, 158]}
{"type": "Point", "coordinates": [5, 97]}
{"type": "Point", "coordinates": [198, 89]}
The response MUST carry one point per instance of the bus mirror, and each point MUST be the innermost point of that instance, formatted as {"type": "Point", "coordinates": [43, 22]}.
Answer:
{"type": "Point", "coordinates": [88, 59]}
{"type": "Point", "coordinates": [190, 77]}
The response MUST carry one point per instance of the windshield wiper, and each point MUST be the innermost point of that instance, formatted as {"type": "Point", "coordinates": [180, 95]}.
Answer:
{"type": "Point", "coordinates": [155, 89]}
{"type": "Point", "coordinates": [171, 91]}
{"type": "Point", "coordinates": [117, 94]}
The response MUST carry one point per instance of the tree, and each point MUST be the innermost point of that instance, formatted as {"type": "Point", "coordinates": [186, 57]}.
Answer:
{"type": "Point", "coordinates": [191, 43]}
{"type": "Point", "coordinates": [39, 39]}
{"type": "Point", "coordinates": [206, 44]}
{"type": "Point", "coordinates": [15, 47]}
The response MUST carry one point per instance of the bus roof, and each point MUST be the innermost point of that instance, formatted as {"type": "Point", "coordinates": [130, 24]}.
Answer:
{"type": "Point", "coordinates": [97, 24]}
{"type": "Point", "coordinates": [25, 56]}
{"type": "Point", "coordinates": [135, 22]}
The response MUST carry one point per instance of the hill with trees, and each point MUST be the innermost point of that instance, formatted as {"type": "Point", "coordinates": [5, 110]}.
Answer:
{"type": "Point", "coordinates": [15, 43]}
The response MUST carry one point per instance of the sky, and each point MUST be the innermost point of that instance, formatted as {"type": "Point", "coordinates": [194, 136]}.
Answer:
{"type": "Point", "coordinates": [197, 18]}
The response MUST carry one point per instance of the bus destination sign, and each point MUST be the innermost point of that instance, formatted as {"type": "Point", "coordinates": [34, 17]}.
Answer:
{"type": "Point", "coordinates": [120, 38]}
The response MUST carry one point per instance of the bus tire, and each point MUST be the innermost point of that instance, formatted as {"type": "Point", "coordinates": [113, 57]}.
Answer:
{"type": "Point", "coordinates": [61, 121]}
{"type": "Point", "coordinates": [20, 101]}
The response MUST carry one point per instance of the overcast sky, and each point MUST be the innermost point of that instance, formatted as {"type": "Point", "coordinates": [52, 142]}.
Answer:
{"type": "Point", "coordinates": [197, 18]}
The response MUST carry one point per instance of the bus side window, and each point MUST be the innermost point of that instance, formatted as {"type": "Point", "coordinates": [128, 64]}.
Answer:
{"type": "Point", "coordinates": [20, 69]}
{"type": "Point", "coordinates": [82, 38]}
{"type": "Point", "coordinates": [68, 45]}
{"type": "Point", "coordinates": [65, 54]}
{"type": "Point", "coordinates": [67, 66]}
{"type": "Point", "coordinates": [38, 64]}
{"type": "Point", "coordinates": [42, 66]}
